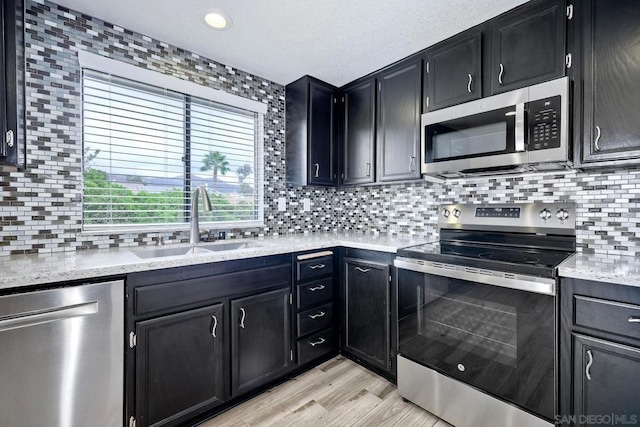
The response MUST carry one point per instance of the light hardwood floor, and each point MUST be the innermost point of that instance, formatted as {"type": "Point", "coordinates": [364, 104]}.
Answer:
{"type": "Point", "coordinates": [337, 393]}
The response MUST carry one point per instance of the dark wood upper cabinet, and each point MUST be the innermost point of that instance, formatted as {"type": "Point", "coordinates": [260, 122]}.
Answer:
{"type": "Point", "coordinates": [528, 45]}
{"type": "Point", "coordinates": [261, 339]}
{"type": "Point", "coordinates": [611, 83]}
{"type": "Point", "coordinates": [311, 149]}
{"type": "Point", "coordinates": [180, 365]}
{"type": "Point", "coordinates": [398, 125]}
{"type": "Point", "coordinates": [359, 132]}
{"type": "Point", "coordinates": [12, 83]}
{"type": "Point", "coordinates": [454, 71]}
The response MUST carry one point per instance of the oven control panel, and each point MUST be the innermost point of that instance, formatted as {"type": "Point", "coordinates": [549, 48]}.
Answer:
{"type": "Point", "coordinates": [557, 218]}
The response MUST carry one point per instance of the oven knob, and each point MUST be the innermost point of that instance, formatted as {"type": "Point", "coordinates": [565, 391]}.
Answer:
{"type": "Point", "coordinates": [562, 214]}
{"type": "Point", "coordinates": [456, 213]}
{"type": "Point", "coordinates": [446, 213]}
{"type": "Point", "coordinates": [545, 214]}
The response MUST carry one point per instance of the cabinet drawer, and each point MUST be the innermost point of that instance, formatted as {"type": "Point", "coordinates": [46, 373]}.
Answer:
{"type": "Point", "coordinates": [315, 346]}
{"type": "Point", "coordinates": [315, 319]}
{"type": "Point", "coordinates": [608, 316]}
{"type": "Point", "coordinates": [315, 292]}
{"type": "Point", "coordinates": [314, 268]}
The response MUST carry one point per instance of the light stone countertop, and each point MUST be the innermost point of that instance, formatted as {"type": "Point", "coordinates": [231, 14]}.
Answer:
{"type": "Point", "coordinates": [617, 269]}
{"type": "Point", "coordinates": [18, 271]}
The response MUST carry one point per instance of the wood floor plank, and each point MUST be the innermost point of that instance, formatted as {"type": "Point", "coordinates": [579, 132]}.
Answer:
{"type": "Point", "coordinates": [337, 393]}
{"type": "Point", "coordinates": [350, 411]}
{"type": "Point", "coordinates": [416, 417]}
{"type": "Point", "coordinates": [389, 412]}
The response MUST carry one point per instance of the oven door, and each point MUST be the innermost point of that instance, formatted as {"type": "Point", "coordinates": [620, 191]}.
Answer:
{"type": "Point", "coordinates": [488, 133]}
{"type": "Point", "coordinates": [495, 338]}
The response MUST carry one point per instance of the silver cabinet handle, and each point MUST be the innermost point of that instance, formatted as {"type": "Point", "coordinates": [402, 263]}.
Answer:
{"type": "Point", "coordinates": [501, 74]}
{"type": "Point", "coordinates": [215, 326]}
{"type": "Point", "coordinates": [633, 319]}
{"type": "Point", "coordinates": [313, 344]}
{"type": "Point", "coordinates": [313, 267]}
{"type": "Point", "coordinates": [363, 270]}
{"type": "Point", "coordinates": [243, 316]}
{"type": "Point", "coordinates": [9, 138]}
{"type": "Point", "coordinates": [315, 316]}
{"type": "Point", "coordinates": [368, 169]}
{"type": "Point", "coordinates": [599, 134]}
{"type": "Point", "coordinates": [411, 159]}
{"type": "Point", "coordinates": [32, 318]}
{"type": "Point", "coordinates": [587, 370]}
{"type": "Point", "coordinates": [317, 288]}
{"type": "Point", "coordinates": [317, 169]}
{"type": "Point", "coordinates": [469, 84]}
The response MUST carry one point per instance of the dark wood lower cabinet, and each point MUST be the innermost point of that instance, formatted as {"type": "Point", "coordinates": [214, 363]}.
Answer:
{"type": "Point", "coordinates": [366, 312]}
{"type": "Point", "coordinates": [605, 381]}
{"type": "Point", "coordinates": [179, 365]}
{"type": "Point", "coordinates": [261, 339]}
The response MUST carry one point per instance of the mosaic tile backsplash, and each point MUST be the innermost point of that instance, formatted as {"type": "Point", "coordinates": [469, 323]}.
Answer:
{"type": "Point", "coordinates": [41, 208]}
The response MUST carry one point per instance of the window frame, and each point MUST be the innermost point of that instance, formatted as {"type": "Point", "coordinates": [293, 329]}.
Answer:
{"type": "Point", "coordinates": [257, 108]}
{"type": "Point", "coordinates": [8, 77]}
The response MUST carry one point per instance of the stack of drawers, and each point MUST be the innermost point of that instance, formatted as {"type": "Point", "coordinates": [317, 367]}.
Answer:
{"type": "Point", "coordinates": [314, 305]}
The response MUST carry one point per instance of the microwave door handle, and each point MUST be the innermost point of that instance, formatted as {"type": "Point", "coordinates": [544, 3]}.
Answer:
{"type": "Point", "coordinates": [519, 128]}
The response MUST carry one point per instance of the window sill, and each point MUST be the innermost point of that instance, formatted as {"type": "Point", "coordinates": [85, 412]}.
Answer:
{"type": "Point", "coordinates": [168, 228]}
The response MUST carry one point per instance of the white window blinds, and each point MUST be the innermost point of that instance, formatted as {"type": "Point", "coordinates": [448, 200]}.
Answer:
{"type": "Point", "coordinates": [146, 148]}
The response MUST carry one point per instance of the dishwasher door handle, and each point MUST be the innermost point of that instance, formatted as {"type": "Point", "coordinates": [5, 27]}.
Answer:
{"type": "Point", "coordinates": [32, 318]}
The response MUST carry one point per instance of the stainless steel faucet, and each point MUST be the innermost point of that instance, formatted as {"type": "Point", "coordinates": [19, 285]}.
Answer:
{"type": "Point", "coordinates": [194, 234]}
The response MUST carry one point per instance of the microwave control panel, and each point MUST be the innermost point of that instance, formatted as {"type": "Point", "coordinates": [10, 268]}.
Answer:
{"type": "Point", "coordinates": [544, 123]}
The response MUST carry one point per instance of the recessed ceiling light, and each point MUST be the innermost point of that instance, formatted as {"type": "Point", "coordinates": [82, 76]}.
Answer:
{"type": "Point", "coordinates": [218, 20]}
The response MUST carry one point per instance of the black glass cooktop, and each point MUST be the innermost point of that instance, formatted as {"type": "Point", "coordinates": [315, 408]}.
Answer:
{"type": "Point", "coordinates": [539, 262]}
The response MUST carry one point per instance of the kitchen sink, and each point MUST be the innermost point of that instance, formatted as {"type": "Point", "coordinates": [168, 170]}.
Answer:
{"type": "Point", "coordinates": [185, 251]}
{"type": "Point", "coordinates": [162, 252]}
{"type": "Point", "coordinates": [231, 246]}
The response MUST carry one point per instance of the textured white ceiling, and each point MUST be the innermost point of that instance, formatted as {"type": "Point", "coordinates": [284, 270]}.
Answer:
{"type": "Point", "coordinates": [334, 40]}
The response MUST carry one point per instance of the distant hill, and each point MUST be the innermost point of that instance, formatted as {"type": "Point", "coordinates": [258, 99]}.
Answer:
{"type": "Point", "coordinates": [158, 184]}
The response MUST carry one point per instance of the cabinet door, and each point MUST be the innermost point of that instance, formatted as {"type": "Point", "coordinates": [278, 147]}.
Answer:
{"type": "Point", "coordinates": [528, 46]}
{"type": "Point", "coordinates": [605, 376]}
{"type": "Point", "coordinates": [398, 127]}
{"type": "Point", "coordinates": [261, 340]}
{"type": "Point", "coordinates": [454, 72]}
{"type": "Point", "coordinates": [611, 81]}
{"type": "Point", "coordinates": [321, 168]}
{"type": "Point", "coordinates": [11, 51]}
{"type": "Point", "coordinates": [359, 133]}
{"type": "Point", "coordinates": [179, 365]}
{"type": "Point", "coordinates": [366, 311]}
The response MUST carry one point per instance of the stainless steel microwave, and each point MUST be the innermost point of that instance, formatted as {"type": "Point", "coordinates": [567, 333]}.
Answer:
{"type": "Point", "coordinates": [525, 129]}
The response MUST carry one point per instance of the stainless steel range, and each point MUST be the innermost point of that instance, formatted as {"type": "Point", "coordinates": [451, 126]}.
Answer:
{"type": "Point", "coordinates": [477, 314]}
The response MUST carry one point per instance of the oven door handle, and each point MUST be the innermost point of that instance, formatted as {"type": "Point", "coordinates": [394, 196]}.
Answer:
{"type": "Point", "coordinates": [539, 285]}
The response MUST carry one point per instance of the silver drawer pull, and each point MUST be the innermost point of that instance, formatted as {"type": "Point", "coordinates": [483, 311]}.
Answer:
{"type": "Point", "coordinates": [317, 169]}
{"type": "Point", "coordinates": [501, 74]}
{"type": "Point", "coordinates": [598, 138]}
{"type": "Point", "coordinates": [313, 344]}
{"type": "Point", "coordinates": [215, 326]}
{"type": "Point", "coordinates": [587, 370]}
{"type": "Point", "coordinates": [313, 267]}
{"type": "Point", "coordinates": [363, 270]}
{"type": "Point", "coordinates": [469, 84]}
{"type": "Point", "coordinates": [243, 316]}
{"type": "Point", "coordinates": [315, 316]}
{"type": "Point", "coordinates": [633, 319]}
{"type": "Point", "coordinates": [317, 288]}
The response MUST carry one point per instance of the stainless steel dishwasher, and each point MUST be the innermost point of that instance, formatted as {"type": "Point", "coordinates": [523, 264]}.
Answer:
{"type": "Point", "coordinates": [62, 357]}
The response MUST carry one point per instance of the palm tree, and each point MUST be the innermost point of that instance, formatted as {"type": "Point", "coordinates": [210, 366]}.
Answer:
{"type": "Point", "coordinates": [216, 162]}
